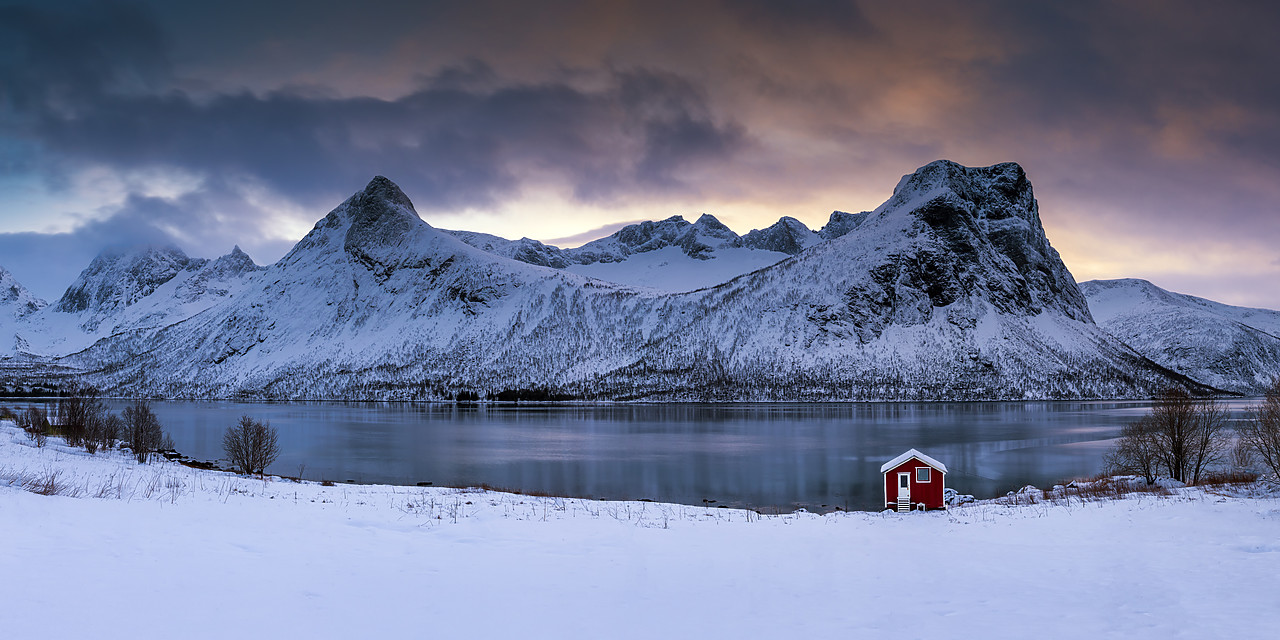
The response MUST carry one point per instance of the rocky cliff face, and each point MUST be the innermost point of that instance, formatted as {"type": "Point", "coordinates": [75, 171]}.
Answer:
{"type": "Point", "coordinates": [15, 300]}
{"type": "Point", "coordinates": [948, 290]}
{"type": "Point", "coordinates": [952, 233]}
{"type": "Point", "coordinates": [841, 223]}
{"type": "Point", "coordinates": [787, 235]}
{"type": "Point", "coordinates": [118, 278]}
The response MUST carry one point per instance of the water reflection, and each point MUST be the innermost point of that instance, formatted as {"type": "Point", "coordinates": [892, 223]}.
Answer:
{"type": "Point", "coordinates": [770, 456]}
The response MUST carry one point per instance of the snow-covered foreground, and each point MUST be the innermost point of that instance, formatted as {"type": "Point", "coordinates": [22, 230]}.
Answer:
{"type": "Point", "coordinates": [162, 550]}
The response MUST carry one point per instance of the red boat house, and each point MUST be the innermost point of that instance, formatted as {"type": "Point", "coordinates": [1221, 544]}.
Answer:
{"type": "Point", "coordinates": [914, 481]}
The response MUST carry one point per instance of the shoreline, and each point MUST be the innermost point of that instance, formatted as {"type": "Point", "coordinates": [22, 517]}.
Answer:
{"type": "Point", "coordinates": [619, 403]}
{"type": "Point", "coordinates": [1080, 489]}
{"type": "Point", "coordinates": [299, 559]}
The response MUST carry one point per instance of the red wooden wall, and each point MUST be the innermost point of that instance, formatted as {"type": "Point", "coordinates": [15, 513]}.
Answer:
{"type": "Point", "coordinates": [930, 493]}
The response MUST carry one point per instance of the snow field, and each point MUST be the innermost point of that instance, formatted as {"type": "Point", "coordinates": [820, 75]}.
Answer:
{"type": "Point", "coordinates": [210, 554]}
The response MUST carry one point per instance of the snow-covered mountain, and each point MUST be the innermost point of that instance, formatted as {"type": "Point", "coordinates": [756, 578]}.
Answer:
{"type": "Point", "coordinates": [1232, 348]}
{"type": "Point", "coordinates": [948, 290]}
{"type": "Point", "coordinates": [133, 289]}
{"type": "Point", "coordinates": [16, 305]}
{"type": "Point", "coordinates": [671, 255]}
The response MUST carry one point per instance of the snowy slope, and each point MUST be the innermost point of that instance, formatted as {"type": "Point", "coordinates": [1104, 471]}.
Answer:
{"type": "Point", "coordinates": [523, 250]}
{"type": "Point", "coordinates": [670, 269]}
{"type": "Point", "coordinates": [1233, 348]}
{"type": "Point", "coordinates": [948, 290]}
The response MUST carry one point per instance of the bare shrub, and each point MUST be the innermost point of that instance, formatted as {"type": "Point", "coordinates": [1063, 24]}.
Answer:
{"type": "Point", "coordinates": [49, 484]}
{"type": "Point", "coordinates": [1221, 478]}
{"type": "Point", "coordinates": [142, 430]}
{"type": "Point", "coordinates": [110, 430]}
{"type": "Point", "coordinates": [251, 446]}
{"type": "Point", "coordinates": [36, 423]}
{"type": "Point", "coordinates": [1261, 431]}
{"type": "Point", "coordinates": [1106, 488]}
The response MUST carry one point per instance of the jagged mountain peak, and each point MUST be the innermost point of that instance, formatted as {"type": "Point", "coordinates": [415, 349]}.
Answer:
{"type": "Point", "coordinates": [787, 235]}
{"type": "Point", "coordinates": [235, 262]}
{"type": "Point", "coordinates": [841, 223]}
{"type": "Point", "coordinates": [15, 299]}
{"type": "Point", "coordinates": [997, 191]}
{"type": "Point", "coordinates": [958, 215]}
{"type": "Point", "coordinates": [710, 228]}
{"type": "Point", "coordinates": [380, 188]}
{"type": "Point", "coordinates": [120, 276]}
{"type": "Point", "coordinates": [711, 225]}
{"type": "Point", "coordinates": [379, 214]}
{"type": "Point", "coordinates": [940, 173]}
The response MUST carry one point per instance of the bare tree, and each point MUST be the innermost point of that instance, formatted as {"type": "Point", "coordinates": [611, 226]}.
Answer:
{"type": "Point", "coordinates": [1183, 436]}
{"type": "Point", "coordinates": [73, 416]}
{"type": "Point", "coordinates": [1191, 433]}
{"type": "Point", "coordinates": [142, 430]}
{"type": "Point", "coordinates": [1210, 438]}
{"type": "Point", "coordinates": [1137, 451]}
{"type": "Point", "coordinates": [110, 430]}
{"type": "Point", "coordinates": [251, 445]}
{"type": "Point", "coordinates": [1261, 432]}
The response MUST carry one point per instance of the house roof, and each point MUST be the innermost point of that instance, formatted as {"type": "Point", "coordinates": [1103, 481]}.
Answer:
{"type": "Point", "coordinates": [912, 453]}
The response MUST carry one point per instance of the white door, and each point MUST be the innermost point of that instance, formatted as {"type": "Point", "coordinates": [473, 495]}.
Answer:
{"type": "Point", "coordinates": [904, 485]}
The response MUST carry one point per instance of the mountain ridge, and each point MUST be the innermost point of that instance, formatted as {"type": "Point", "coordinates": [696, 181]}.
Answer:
{"type": "Point", "coordinates": [1232, 348]}
{"type": "Point", "coordinates": [949, 290]}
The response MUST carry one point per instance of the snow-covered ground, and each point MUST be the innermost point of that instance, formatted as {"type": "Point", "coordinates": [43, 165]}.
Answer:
{"type": "Point", "coordinates": [161, 550]}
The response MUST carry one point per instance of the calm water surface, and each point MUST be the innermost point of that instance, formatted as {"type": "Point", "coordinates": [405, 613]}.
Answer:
{"type": "Point", "coordinates": [769, 456]}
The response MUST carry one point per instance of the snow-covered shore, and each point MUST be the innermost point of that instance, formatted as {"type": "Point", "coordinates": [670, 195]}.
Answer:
{"type": "Point", "coordinates": [162, 550]}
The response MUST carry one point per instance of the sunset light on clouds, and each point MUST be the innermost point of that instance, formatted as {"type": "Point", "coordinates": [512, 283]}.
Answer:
{"type": "Point", "coordinates": [1149, 129]}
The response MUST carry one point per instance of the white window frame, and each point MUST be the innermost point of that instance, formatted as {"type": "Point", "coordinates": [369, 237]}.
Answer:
{"type": "Point", "coordinates": [928, 473]}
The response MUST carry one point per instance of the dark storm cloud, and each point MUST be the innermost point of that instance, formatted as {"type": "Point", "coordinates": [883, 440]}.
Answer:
{"type": "Point", "coordinates": [461, 141]}
{"type": "Point", "coordinates": [1139, 69]}
{"type": "Point", "coordinates": [787, 18]}
{"type": "Point", "coordinates": [63, 59]}
{"type": "Point", "coordinates": [453, 147]}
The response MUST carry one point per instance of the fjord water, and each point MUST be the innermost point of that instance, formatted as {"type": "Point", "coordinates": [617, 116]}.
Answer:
{"type": "Point", "coordinates": [765, 456]}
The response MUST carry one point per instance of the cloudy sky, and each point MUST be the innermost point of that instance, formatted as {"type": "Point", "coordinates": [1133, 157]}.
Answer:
{"type": "Point", "coordinates": [1149, 129]}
